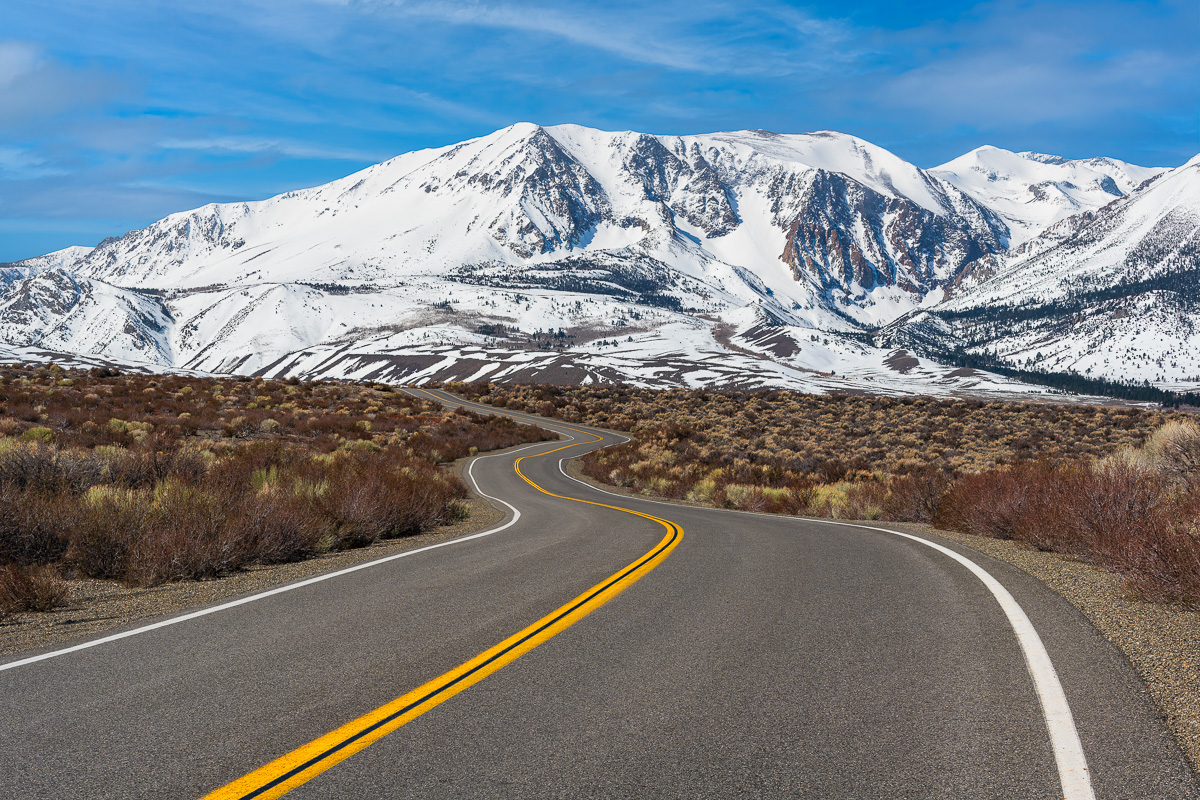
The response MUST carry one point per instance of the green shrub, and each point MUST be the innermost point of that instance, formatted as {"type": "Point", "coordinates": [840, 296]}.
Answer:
{"type": "Point", "coordinates": [37, 434]}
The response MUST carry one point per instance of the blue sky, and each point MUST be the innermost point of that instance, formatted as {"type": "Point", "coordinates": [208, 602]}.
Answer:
{"type": "Point", "coordinates": [114, 114]}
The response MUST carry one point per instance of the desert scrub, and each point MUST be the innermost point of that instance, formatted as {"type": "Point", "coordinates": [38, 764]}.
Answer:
{"type": "Point", "coordinates": [147, 479]}
{"type": "Point", "coordinates": [1116, 486]}
{"type": "Point", "coordinates": [830, 437]}
{"type": "Point", "coordinates": [1129, 517]}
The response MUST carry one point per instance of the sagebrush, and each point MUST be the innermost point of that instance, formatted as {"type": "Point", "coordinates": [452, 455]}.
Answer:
{"type": "Point", "coordinates": [147, 479]}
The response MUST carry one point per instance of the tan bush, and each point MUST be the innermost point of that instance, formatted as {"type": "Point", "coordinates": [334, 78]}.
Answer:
{"type": "Point", "coordinates": [31, 589]}
{"type": "Point", "coordinates": [1174, 451]}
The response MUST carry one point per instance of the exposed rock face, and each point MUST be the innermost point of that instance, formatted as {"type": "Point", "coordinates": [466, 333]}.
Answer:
{"type": "Point", "coordinates": [550, 200]}
{"type": "Point", "coordinates": [683, 182]}
{"type": "Point", "coordinates": [848, 235]}
{"type": "Point", "coordinates": [34, 303]}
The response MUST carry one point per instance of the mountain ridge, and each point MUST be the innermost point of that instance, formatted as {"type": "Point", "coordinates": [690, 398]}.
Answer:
{"type": "Point", "coordinates": [803, 243]}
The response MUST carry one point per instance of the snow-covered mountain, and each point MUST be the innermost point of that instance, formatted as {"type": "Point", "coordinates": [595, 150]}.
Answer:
{"type": "Point", "coordinates": [834, 225]}
{"type": "Point", "coordinates": [66, 259]}
{"type": "Point", "coordinates": [1114, 293]}
{"type": "Point", "coordinates": [565, 253]}
{"type": "Point", "coordinates": [57, 310]}
{"type": "Point", "coordinates": [1033, 191]}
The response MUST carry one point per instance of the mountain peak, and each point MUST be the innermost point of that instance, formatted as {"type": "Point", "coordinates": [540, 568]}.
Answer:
{"type": "Point", "coordinates": [65, 258]}
{"type": "Point", "coordinates": [1033, 191]}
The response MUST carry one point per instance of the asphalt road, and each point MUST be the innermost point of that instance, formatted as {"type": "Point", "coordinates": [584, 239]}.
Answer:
{"type": "Point", "coordinates": [762, 657]}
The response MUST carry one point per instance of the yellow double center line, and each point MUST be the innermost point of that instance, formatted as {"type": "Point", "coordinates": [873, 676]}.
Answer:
{"type": "Point", "coordinates": [305, 763]}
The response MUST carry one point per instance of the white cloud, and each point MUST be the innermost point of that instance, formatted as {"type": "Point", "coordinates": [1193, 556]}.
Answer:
{"type": "Point", "coordinates": [706, 36]}
{"type": "Point", "coordinates": [1011, 64]}
{"type": "Point", "coordinates": [17, 163]}
{"type": "Point", "coordinates": [34, 86]}
{"type": "Point", "coordinates": [237, 144]}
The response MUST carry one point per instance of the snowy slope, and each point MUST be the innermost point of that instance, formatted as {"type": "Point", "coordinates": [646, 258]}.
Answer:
{"type": "Point", "coordinates": [59, 311]}
{"type": "Point", "coordinates": [64, 259]}
{"type": "Point", "coordinates": [1032, 191]}
{"type": "Point", "coordinates": [1116, 296]}
{"type": "Point", "coordinates": [67, 259]}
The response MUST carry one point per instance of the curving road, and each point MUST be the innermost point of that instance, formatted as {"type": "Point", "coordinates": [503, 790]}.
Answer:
{"type": "Point", "coordinates": [585, 651]}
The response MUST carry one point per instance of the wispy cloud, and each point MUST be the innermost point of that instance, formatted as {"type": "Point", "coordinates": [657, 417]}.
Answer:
{"type": "Point", "coordinates": [1018, 66]}
{"type": "Point", "coordinates": [22, 163]}
{"type": "Point", "coordinates": [706, 36]}
{"type": "Point", "coordinates": [34, 86]}
{"type": "Point", "coordinates": [279, 147]}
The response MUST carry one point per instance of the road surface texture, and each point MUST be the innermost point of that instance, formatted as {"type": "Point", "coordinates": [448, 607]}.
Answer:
{"type": "Point", "coordinates": [712, 654]}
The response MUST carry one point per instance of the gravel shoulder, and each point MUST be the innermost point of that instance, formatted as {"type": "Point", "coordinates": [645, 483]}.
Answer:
{"type": "Point", "coordinates": [1161, 642]}
{"type": "Point", "coordinates": [97, 607]}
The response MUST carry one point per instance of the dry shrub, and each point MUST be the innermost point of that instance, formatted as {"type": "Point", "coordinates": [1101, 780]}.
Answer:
{"type": "Point", "coordinates": [1025, 503]}
{"type": "Point", "coordinates": [184, 536]}
{"type": "Point", "coordinates": [1165, 567]}
{"type": "Point", "coordinates": [43, 467]}
{"type": "Point", "coordinates": [1117, 515]}
{"type": "Point", "coordinates": [277, 528]}
{"type": "Point", "coordinates": [915, 497]}
{"type": "Point", "coordinates": [846, 500]}
{"type": "Point", "coordinates": [112, 522]}
{"type": "Point", "coordinates": [382, 497]}
{"type": "Point", "coordinates": [159, 461]}
{"type": "Point", "coordinates": [1174, 451]}
{"type": "Point", "coordinates": [742, 497]}
{"type": "Point", "coordinates": [1113, 512]}
{"type": "Point", "coordinates": [31, 589]}
{"type": "Point", "coordinates": [864, 500]}
{"type": "Point", "coordinates": [34, 525]}
{"type": "Point", "coordinates": [38, 434]}
{"type": "Point", "coordinates": [239, 428]}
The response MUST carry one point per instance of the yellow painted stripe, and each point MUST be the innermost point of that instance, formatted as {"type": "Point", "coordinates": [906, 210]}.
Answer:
{"type": "Point", "coordinates": [304, 763]}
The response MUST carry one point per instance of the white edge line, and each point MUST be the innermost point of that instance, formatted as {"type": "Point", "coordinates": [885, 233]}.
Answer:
{"type": "Point", "coordinates": [291, 586]}
{"type": "Point", "coordinates": [1074, 775]}
{"type": "Point", "coordinates": [1073, 772]}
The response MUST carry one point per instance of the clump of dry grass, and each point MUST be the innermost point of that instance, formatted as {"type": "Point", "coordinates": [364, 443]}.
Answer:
{"type": "Point", "coordinates": [1173, 451]}
{"type": "Point", "coordinates": [30, 589]}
